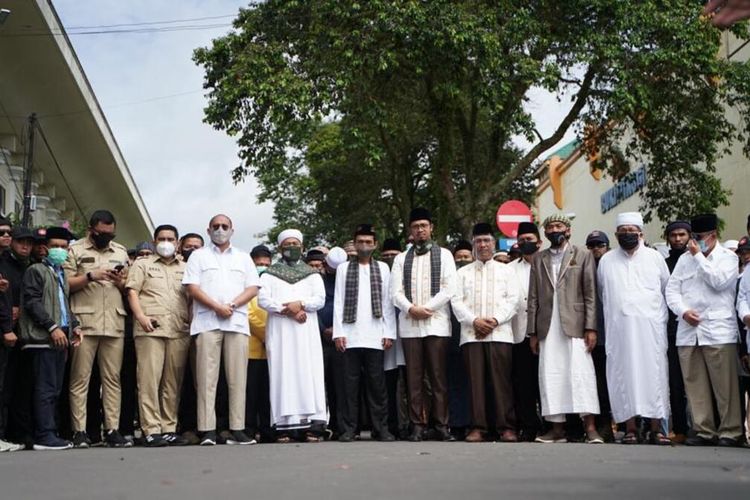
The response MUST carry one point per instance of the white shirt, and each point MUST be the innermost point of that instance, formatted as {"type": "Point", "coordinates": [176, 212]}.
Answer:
{"type": "Point", "coordinates": [222, 276]}
{"type": "Point", "coordinates": [439, 324]}
{"type": "Point", "coordinates": [486, 290]}
{"type": "Point", "coordinates": [743, 299]}
{"type": "Point", "coordinates": [520, 320]}
{"type": "Point", "coordinates": [706, 285]}
{"type": "Point", "coordinates": [368, 331]}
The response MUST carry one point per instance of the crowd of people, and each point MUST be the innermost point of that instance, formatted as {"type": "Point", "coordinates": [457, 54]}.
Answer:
{"type": "Point", "coordinates": [185, 341]}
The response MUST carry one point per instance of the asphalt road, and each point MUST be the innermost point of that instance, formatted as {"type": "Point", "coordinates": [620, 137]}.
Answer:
{"type": "Point", "coordinates": [374, 470]}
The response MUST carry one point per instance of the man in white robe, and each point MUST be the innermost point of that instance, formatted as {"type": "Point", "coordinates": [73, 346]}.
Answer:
{"type": "Point", "coordinates": [292, 292]}
{"type": "Point", "coordinates": [631, 282]}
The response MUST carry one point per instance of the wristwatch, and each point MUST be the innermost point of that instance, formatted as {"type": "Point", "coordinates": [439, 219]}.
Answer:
{"type": "Point", "coordinates": [233, 305]}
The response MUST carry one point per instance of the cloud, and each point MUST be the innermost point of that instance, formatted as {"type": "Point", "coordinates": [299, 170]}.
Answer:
{"type": "Point", "coordinates": [182, 166]}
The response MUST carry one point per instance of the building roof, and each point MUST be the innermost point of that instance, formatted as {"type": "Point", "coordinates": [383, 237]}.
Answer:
{"type": "Point", "coordinates": [565, 151]}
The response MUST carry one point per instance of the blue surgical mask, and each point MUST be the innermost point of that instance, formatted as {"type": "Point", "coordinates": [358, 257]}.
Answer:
{"type": "Point", "coordinates": [703, 246]}
{"type": "Point", "coordinates": [57, 256]}
{"type": "Point", "coordinates": [261, 269]}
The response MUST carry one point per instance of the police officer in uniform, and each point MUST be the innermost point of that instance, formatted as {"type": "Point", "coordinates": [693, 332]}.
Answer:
{"type": "Point", "coordinates": [96, 273]}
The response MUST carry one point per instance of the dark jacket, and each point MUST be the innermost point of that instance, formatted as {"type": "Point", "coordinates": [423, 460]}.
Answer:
{"type": "Point", "coordinates": [41, 311]}
{"type": "Point", "coordinates": [325, 315]}
{"type": "Point", "coordinates": [672, 321]}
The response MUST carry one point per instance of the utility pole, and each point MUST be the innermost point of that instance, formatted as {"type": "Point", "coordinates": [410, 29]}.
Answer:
{"type": "Point", "coordinates": [26, 219]}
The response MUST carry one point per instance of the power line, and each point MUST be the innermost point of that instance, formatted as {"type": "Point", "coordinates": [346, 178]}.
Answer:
{"type": "Point", "coordinates": [59, 169]}
{"type": "Point", "coordinates": [163, 29]}
{"type": "Point", "coordinates": [150, 23]}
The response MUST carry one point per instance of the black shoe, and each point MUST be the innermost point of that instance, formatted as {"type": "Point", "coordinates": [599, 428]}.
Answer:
{"type": "Point", "coordinates": [223, 436]}
{"type": "Point", "coordinates": [174, 439]}
{"type": "Point", "coordinates": [114, 439]}
{"type": "Point", "coordinates": [209, 438]}
{"type": "Point", "coordinates": [81, 440]}
{"type": "Point", "coordinates": [726, 442]}
{"type": "Point", "coordinates": [239, 437]}
{"type": "Point", "coordinates": [385, 437]}
{"type": "Point", "coordinates": [417, 434]}
{"type": "Point", "coordinates": [346, 437]}
{"type": "Point", "coordinates": [154, 441]}
{"type": "Point", "coordinates": [698, 441]}
{"type": "Point", "coordinates": [443, 434]}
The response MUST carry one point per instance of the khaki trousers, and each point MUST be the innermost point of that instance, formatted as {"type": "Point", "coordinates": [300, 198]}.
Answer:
{"type": "Point", "coordinates": [490, 362]}
{"type": "Point", "coordinates": [161, 367]}
{"type": "Point", "coordinates": [712, 369]}
{"type": "Point", "coordinates": [108, 352]}
{"type": "Point", "coordinates": [209, 349]}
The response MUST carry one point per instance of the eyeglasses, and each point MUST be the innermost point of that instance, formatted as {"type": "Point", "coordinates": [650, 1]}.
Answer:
{"type": "Point", "coordinates": [598, 245]}
{"type": "Point", "coordinates": [225, 227]}
{"type": "Point", "coordinates": [5, 232]}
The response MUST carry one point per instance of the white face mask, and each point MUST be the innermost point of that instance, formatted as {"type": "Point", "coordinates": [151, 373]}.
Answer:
{"type": "Point", "coordinates": [165, 248]}
{"type": "Point", "coordinates": [220, 236]}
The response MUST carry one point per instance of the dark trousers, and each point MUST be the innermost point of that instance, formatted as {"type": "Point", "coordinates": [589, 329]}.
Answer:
{"type": "Point", "coordinates": [18, 390]}
{"type": "Point", "coordinates": [187, 415]}
{"type": "Point", "coordinates": [458, 390]}
{"type": "Point", "coordinates": [258, 400]}
{"type": "Point", "coordinates": [427, 356]}
{"type": "Point", "coordinates": [128, 385]}
{"type": "Point", "coordinates": [49, 371]}
{"type": "Point", "coordinates": [367, 362]}
{"type": "Point", "coordinates": [677, 398]}
{"type": "Point", "coordinates": [489, 367]}
{"type": "Point", "coordinates": [525, 376]}
{"type": "Point", "coordinates": [604, 419]}
{"type": "Point", "coordinates": [397, 405]}
{"type": "Point", "coordinates": [3, 368]}
{"type": "Point", "coordinates": [334, 366]}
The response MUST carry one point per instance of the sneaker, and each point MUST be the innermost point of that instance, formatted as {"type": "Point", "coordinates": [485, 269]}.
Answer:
{"type": "Point", "coordinates": [53, 443]}
{"type": "Point", "coordinates": [209, 438]}
{"type": "Point", "coordinates": [174, 439]}
{"type": "Point", "coordinates": [114, 439]}
{"type": "Point", "coordinates": [81, 440]}
{"type": "Point", "coordinates": [154, 441]}
{"type": "Point", "coordinates": [8, 446]}
{"type": "Point", "coordinates": [239, 437]}
{"type": "Point", "coordinates": [551, 437]}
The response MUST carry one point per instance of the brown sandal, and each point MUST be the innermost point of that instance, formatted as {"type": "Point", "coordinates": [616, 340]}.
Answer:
{"type": "Point", "coordinates": [658, 438]}
{"type": "Point", "coordinates": [283, 439]}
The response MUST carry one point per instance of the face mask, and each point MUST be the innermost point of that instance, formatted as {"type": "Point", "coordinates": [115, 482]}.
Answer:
{"type": "Point", "coordinates": [528, 247]}
{"type": "Point", "coordinates": [186, 254]}
{"type": "Point", "coordinates": [676, 252]}
{"type": "Point", "coordinates": [422, 247]}
{"type": "Point", "coordinates": [261, 269]}
{"type": "Point", "coordinates": [220, 236]}
{"type": "Point", "coordinates": [388, 260]}
{"type": "Point", "coordinates": [165, 248]}
{"type": "Point", "coordinates": [364, 252]}
{"type": "Point", "coordinates": [703, 246]}
{"type": "Point", "coordinates": [557, 238]}
{"type": "Point", "coordinates": [101, 241]}
{"type": "Point", "coordinates": [462, 263]}
{"type": "Point", "coordinates": [628, 241]}
{"type": "Point", "coordinates": [57, 256]}
{"type": "Point", "coordinates": [291, 254]}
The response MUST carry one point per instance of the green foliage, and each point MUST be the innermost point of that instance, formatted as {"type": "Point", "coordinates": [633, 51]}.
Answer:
{"type": "Point", "coordinates": [350, 112]}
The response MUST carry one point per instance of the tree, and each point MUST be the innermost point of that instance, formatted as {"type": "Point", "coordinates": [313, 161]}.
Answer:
{"type": "Point", "coordinates": [427, 99]}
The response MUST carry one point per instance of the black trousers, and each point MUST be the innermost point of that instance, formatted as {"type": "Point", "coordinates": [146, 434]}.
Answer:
{"type": "Point", "coordinates": [18, 390]}
{"type": "Point", "coordinates": [599, 356]}
{"type": "Point", "coordinates": [3, 409]}
{"type": "Point", "coordinates": [187, 414]}
{"type": "Point", "coordinates": [333, 362]}
{"type": "Point", "coordinates": [395, 422]}
{"type": "Point", "coordinates": [258, 401]}
{"type": "Point", "coordinates": [49, 371]}
{"type": "Point", "coordinates": [677, 398]}
{"type": "Point", "coordinates": [129, 390]}
{"type": "Point", "coordinates": [367, 362]}
{"type": "Point", "coordinates": [525, 375]}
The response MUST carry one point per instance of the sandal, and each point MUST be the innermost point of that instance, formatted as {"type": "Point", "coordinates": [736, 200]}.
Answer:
{"type": "Point", "coordinates": [311, 438]}
{"type": "Point", "coordinates": [283, 439]}
{"type": "Point", "coordinates": [630, 438]}
{"type": "Point", "coordinates": [658, 438]}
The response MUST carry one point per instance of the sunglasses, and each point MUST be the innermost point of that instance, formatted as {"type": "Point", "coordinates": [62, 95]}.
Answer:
{"type": "Point", "coordinates": [5, 232]}
{"type": "Point", "coordinates": [225, 227]}
{"type": "Point", "coordinates": [598, 245]}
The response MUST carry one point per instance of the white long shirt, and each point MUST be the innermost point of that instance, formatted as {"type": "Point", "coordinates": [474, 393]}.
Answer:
{"type": "Point", "coordinates": [439, 324]}
{"type": "Point", "coordinates": [222, 276]}
{"type": "Point", "coordinates": [520, 320]}
{"type": "Point", "coordinates": [706, 285]}
{"type": "Point", "coordinates": [743, 299]}
{"type": "Point", "coordinates": [486, 290]}
{"type": "Point", "coordinates": [367, 331]}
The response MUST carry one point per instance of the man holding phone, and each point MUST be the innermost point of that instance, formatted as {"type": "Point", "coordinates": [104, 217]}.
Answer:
{"type": "Point", "coordinates": [96, 275]}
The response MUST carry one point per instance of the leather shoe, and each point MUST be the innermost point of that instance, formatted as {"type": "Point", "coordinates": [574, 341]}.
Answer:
{"type": "Point", "coordinates": [346, 437]}
{"type": "Point", "coordinates": [385, 437]}
{"type": "Point", "coordinates": [443, 434]}
{"type": "Point", "coordinates": [698, 441]}
{"type": "Point", "coordinates": [728, 442]}
{"type": "Point", "coordinates": [475, 436]}
{"type": "Point", "coordinates": [509, 436]}
{"type": "Point", "coordinates": [416, 434]}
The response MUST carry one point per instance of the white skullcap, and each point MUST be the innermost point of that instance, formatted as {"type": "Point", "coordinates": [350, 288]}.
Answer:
{"type": "Point", "coordinates": [289, 233]}
{"type": "Point", "coordinates": [336, 256]}
{"type": "Point", "coordinates": [321, 248]}
{"type": "Point", "coordinates": [629, 219]}
{"type": "Point", "coordinates": [731, 245]}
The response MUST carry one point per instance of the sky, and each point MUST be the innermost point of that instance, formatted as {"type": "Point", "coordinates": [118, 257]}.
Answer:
{"type": "Point", "coordinates": [181, 165]}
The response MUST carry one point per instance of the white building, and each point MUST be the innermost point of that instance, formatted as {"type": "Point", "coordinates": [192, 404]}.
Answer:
{"type": "Point", "coordinates": [80, 168]}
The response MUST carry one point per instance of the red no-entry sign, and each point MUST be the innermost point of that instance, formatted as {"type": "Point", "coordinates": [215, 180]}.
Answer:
{"type": "Point", "coordinates": [510, 214]}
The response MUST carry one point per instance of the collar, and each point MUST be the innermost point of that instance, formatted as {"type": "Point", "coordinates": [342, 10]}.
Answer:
{"type": "Point", "coordinates": [559, 251]}
{"type": "Point", "coordinates": [158, 258]}
{"type": "Point", "coordinates": [216, 249]}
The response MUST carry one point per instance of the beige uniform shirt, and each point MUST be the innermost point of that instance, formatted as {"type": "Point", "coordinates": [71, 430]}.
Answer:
{"type": "Point", "coordinates": [161, 295]}
{"type": "Point", "coordinates": [99, 306]}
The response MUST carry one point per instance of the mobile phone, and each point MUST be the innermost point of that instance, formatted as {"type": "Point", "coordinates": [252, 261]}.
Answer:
{"type": "Point", "coordinates": [154, 323]}
{"type": "Point", "coordinates": [119, 267]}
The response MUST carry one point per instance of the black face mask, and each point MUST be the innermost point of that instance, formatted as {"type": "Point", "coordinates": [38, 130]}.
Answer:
{"type": "Point", "coordinates": [676, 252]}
{"type": "Point", "coordinates": [388, 260]}
{"type": "Point", "coordinates": [557, 238]}
{"type": "Point", "coordinates": [627, 241]}
{"type": "Point", "coordinates": [101, 240]}
{"type": "Point", "coordinates": [186, 254]}
{"type": "Point", "coordinates": [528, 247]}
